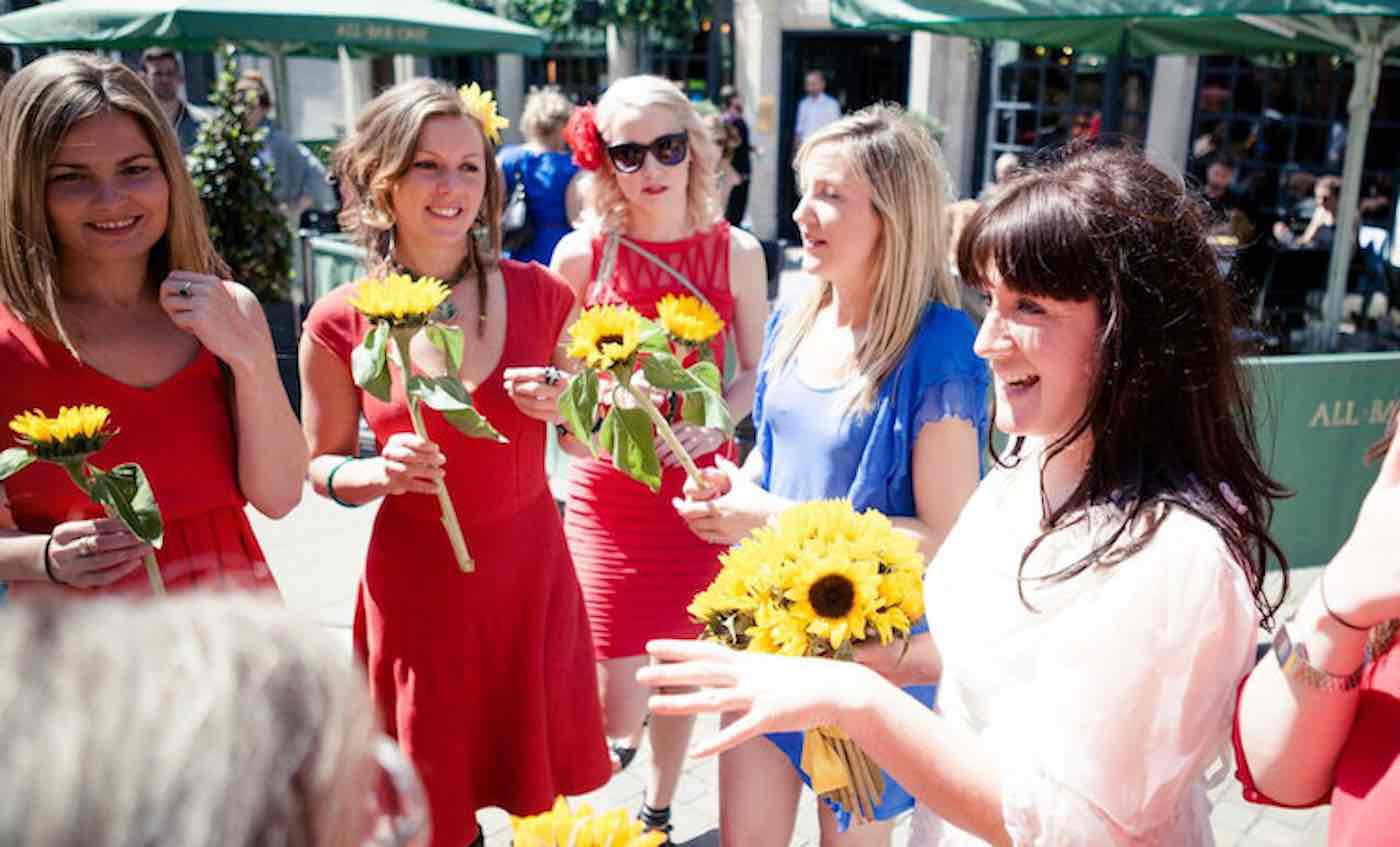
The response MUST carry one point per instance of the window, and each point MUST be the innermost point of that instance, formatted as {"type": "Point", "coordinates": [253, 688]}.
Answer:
{"type": "Point", "coordinates": [462, 68]}
{"type": "Point", "coordinates": [1046, 96]}
{"type": "Point", "coordinates": [1284, 119]}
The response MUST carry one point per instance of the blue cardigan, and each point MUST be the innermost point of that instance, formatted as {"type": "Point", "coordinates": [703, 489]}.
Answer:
{"type": "Point", "coordinates": [938, 376]}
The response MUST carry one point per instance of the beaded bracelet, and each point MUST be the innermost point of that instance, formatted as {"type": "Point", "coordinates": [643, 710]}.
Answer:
{"type": "Point", "coordinates": [330, 484]}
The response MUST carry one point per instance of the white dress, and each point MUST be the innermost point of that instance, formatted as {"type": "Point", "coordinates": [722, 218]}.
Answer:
{"type": "Point", "coordinates": [1106, 706]}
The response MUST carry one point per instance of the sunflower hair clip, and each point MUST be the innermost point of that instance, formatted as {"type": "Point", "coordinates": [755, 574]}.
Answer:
{"type": "Point", "coordinates": [481, 104]}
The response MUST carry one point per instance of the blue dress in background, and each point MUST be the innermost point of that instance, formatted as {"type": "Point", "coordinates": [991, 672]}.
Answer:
{"type": "Point", "coordinates": [546, 176]}
{"type": "Point", "coordinates": [813, 449]}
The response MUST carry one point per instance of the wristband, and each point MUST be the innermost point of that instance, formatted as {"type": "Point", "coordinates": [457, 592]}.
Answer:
{"type": "Point", "coordinates": [48, 563]}
{"type": "Point", "coordinates": [1293, 661]}
{"type": "Point", "coordinates": [330, 484]}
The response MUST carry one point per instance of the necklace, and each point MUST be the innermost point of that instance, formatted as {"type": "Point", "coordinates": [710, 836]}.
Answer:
{"type": "Point", "coordinates": [447, 310]}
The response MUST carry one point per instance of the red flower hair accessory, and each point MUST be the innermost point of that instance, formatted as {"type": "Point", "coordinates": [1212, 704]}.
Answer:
{"type": "Point", "coordinates": [582, 135]}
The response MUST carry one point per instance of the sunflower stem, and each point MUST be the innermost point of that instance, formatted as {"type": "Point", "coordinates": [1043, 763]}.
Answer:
{"type": "Point", "coordinates": [664, 430]}
{"type": "Point", "coordinates": [449, 514]}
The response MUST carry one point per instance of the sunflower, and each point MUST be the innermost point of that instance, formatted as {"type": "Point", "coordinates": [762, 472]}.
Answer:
{"type": "Point", "coordinates": [399, 298]}
{"type": "Point", "coordinates": [688, 320]}
{"type": "Point", "coordinates": [774, 630]}
{"type": "Point", "coordinates": [75, 431]}
{"type": "Point", "coordinates": [561, 827]}
{"type": "Point", "coordinates": [834, 598]}
{"type": "Point", "coordinates": [482, 106]}
{"type": "Point", "coordinates": [604, 336]}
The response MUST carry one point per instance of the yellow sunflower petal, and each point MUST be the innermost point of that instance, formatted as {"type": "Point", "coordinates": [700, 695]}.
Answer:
{"type": "Point", "coordinates": [398, 298]}
{"type": "Point", "coordinates": [604, 336]}
{"type": "Point", "coordinates": [75, 430]}
{"type": "Point", "coordinates": [688, 319]}
{"type": "Point", "coordinates": [482, 106]}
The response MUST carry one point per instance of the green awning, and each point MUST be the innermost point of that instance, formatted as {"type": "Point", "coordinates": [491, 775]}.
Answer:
{"type": "Point", "coordinates": [287, 27]}
{"type": "Point", "coordinates": [1143, 27]}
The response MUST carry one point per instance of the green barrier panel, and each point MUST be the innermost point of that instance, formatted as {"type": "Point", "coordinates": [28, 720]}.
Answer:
{"type": "Point", "coordinates": [334, 262]}
{"type": "Point", "coordinates": [1315, 416]}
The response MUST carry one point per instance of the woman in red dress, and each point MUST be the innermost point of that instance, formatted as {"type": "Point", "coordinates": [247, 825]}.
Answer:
{"type": "Point", "coordinates": [112, 294]}
{"type": "Point", "coordinates": [485, 678]}
{"type": "Point", "coordinates": [654, 214]}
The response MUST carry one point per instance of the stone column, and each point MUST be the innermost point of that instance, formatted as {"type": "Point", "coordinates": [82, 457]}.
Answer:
{"type": "Point", "coordinates": [944, 77]}
{"type": "Point", "coordinates": [758, 50]}
{"type": "Point", "coordinates": [622, 53]}
{"type": "Point", "coordinates": [510, 93]}
{"type": "Point", "coordinates": [1169, 115]}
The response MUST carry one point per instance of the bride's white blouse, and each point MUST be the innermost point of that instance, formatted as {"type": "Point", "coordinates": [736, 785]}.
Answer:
{"type": "Point", "coordinates": [1105, 702]}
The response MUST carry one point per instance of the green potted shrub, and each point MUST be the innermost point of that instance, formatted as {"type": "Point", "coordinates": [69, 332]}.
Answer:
{"type": "Point", "coordinates": [245, 222]}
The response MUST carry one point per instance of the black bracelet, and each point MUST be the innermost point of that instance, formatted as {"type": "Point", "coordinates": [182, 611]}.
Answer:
{"type": "Point", "coordinates": [48, 563]}
{"type": "Point", "coordinates": [1322, 595]}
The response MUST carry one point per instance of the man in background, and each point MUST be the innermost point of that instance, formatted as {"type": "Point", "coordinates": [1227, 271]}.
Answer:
{"type": "Point", "coordinates": [161, 68]}
{"type": "Point", "coordinates": [298, 178]}
{"type": "Point", "coordinates": [814, 111]}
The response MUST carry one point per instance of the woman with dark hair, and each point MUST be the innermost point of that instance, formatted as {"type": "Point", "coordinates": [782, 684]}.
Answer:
{"type": "Point", "coordinates": [1316, 720]}
{"type": "Point", "coordinates": [1096, 603]}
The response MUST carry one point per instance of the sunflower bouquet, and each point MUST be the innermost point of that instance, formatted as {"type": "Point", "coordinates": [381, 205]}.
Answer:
{"type": "Point", "coordinates": [562, 827]}
{"type": "Point", "coordinates": [400, 307]}
{"type": "Point", "coordinates": [69, 440]}
{"type": "Point", "coordinates": [818, 581]}
{"type": "Point", "coordinates": [618, 343]}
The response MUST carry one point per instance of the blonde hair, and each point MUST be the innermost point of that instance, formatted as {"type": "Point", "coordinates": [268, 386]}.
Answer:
{"type": "Point", "coordinates": [605, 205]}
{"type": "Point", "coordinates": [211, 719]}
{"type": "Point", "coordinates": [380, 151]}
{"type": "Point", "coordinates": [546, 112]}
{"type": "Point", "coordinates": [908, 189]}
{"type": "Point", "coordinates": [38, 106]}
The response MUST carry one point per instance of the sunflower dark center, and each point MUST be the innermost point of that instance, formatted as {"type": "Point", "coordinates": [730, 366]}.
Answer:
{"type": "Point", "coordinates": [609, 339]}
{"type": "Point", "coordinates": [832, 596]}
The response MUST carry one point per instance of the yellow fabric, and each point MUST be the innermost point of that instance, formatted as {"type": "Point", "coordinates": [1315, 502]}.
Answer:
{"type": "Point", "coordinates": [821, 761]}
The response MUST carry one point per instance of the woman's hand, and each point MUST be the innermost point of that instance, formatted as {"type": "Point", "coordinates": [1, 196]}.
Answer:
{"type": "Point", "coordinates": [216, 312]}
{"type": "Point", "coordinates": [90, 554]}
{"type": "Point", "coordinates": [725, 518]}
{"type": "Point", "coordinates": [697, 441]}
{"type": "Point", "coordinates": [536, 391]}
{"type": "Point", "coordinates": [1363, 579]}
{"type": "Point", "coordinates": [412, 465]}
{"type": "Point", "coordinates": [768, 693]}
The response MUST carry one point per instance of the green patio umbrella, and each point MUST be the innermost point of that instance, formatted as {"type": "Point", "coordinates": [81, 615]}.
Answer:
{"type": "Point", "coordinates": [275, 28]}
{"type": "Point", "coordinates": [1363, 31]}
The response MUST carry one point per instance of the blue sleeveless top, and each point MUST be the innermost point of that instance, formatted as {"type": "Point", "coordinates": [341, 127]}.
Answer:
{"type": "Point", "coordinates": [814, 448]}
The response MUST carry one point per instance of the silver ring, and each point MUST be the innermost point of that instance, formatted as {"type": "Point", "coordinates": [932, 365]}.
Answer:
{"type": "Point", "coordinates": [552, 375]}
{"type": "Point", "coordinates": [185, 289]}
{"type": "Point", "coordinates": [88, 547]}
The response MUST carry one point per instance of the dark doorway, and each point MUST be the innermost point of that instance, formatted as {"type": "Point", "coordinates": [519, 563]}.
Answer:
{"type": "Point", "coordinates": [860, 69]}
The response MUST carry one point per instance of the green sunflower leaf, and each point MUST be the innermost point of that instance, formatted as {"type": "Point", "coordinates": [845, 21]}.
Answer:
{"type": "Point", "coordinates": [126, 492]}
{"type": "Point", "coordinates": [627, 436]}
{"type": "Point", "coordinates": [449, 397]}
{"type": "Point", "coordinates": [14, 460]}
{"type": "Point", "coordinates": [449, 340]}
{"type": "Point", "coordinates": [579, 405]}
{"type": "Point", "coordinates": [654, 339]}
{"type": "Point", "coordinates": [369, 362]}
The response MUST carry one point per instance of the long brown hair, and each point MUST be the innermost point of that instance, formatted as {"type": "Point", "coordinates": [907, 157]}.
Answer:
{"type": "Point", "coordinates": [37, 108]}
{"type": "Point", "coordinates": [1169, 414]}
{"type": "Point", "coordinates": [380, 151]}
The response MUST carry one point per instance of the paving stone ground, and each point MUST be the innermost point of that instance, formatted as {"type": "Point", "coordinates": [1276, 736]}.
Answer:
{"type": "Point", "coordinates": [316, 553]}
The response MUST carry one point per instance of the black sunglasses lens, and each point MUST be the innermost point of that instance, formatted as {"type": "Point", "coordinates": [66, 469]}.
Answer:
{"type": "Point", "coordinates": [627, 157]}
{"type": "Point", "coordinates": [670, 150]}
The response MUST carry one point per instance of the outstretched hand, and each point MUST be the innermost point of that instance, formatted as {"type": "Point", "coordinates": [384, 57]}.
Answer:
{"type": "Point", "coordinates": [766, 693]}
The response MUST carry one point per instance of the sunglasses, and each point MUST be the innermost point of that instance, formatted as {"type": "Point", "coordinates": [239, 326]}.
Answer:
{"type": "Point", "coordinates": [669, 150]}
